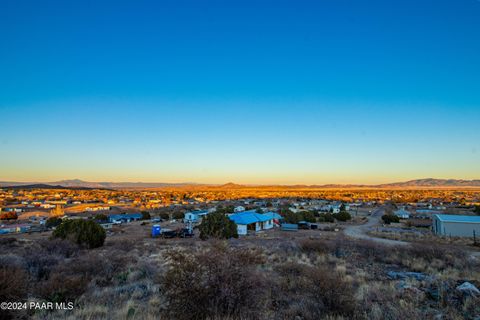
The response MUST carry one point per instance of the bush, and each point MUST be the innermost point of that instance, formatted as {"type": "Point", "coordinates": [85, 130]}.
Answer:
{"type": "Point", "coordinates": [389, 218]}
{"type": "Point", "coordinates": [309, 216]}
{"type": "Point", "coordinates": [343, 216]}
{"type": "Point", "coordinates": [327, 217]}
{"type": "Point", "coordinates": [164, 216]}
{"type": "Point", "coordinates": [53, 222]}
{"type": "Point", "coordinates": [100, 217]}
{"type": "Point", "coordinates": [13, 288]}
{"type": "Point", "coordinates": [178, 215]}
{"type": "Point", "coordinates": [221, 283]}
{"type": "Point", "coordinates": [323, 292]}
{"type": "Point", "coordinates": [8, 215]}
{"type": "Point", "coordinates": [146, 215]}
{"type": "Point", "coordinates": [477, 210]}
{"type": "Point", "coordinates": [82, 232]}
{"type": "Point", "coordinates": [217, 225]}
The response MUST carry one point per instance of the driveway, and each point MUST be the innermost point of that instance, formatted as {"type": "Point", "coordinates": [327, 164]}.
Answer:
{"type": "Point", "coordinates": [360, 231]}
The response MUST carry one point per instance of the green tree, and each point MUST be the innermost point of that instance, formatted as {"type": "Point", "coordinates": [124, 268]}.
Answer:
{"type": "Point", "coordinates": [178, 215]}
{"type": "Point", "coordinates": [145, 215]}
{"type": "Point", "coordinates": [217, 225]}
{"type": "Point", "coordinates": [164, 216]}
{"type": "Point", "coordinates": [82, 232]}
{"type": "Point", "coordinates": [291, 217]}
{"type": "Point", "coordinates": [477, 210]}
{"type": "Point", "coordinates": [309, 216]}
{"type": "Point", "coordinates": [328, 217]}
{"type": "Point", "coordinates": [389, 218]}
{"type": "Point", "coordinates": [100, 217]}
{"type": "Point", "coordinates": [53, 222]}
{"type": "Point", "coordinates": [343, 216]}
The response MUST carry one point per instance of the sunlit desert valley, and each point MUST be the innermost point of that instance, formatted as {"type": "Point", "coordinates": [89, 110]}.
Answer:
{"type": "Point", "coordinates": [306, 252]}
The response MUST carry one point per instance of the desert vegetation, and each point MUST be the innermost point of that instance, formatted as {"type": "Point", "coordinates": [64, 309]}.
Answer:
{"type": "Point", "coordinates": [310, 278]}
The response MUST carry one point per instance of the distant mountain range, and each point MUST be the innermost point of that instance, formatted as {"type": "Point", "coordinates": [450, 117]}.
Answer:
{"type": "Point", "coordinates": [77, 183]}
{"type": "Point", "coordinates": [80, 184]}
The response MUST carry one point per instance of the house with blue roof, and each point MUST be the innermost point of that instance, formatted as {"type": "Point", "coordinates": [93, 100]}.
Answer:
{"type": "Point", "coordinates": [456, 225]}
{"type": "Point", "coordinates": [251, 221]}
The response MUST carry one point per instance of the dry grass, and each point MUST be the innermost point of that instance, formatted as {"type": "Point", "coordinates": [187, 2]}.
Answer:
{"type": "Point", "coordinates": [328, 277]}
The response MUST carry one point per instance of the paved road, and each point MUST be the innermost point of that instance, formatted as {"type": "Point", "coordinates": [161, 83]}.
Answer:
{"type": "Point", "coordinates": [360, 231]}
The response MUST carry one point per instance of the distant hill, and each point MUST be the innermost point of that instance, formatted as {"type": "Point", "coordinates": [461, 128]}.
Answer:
{"type": "Point", "coordinates": [116, 185]}
{"type": "Point", "coordinates": [430, 182]}
{"type": "Point", "coordinates": [43, 186]}
{"type": "Point", "coordinates": [80, 184]}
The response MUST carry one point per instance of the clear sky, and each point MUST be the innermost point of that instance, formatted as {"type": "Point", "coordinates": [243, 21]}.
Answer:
{"type": "Point", "coordinates": [246, 91]}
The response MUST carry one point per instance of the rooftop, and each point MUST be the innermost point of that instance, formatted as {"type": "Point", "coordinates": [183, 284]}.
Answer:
{"type": "Point", "coordinates": [251, 216]}
{"type": "Point", "coordinates": [458, 218]}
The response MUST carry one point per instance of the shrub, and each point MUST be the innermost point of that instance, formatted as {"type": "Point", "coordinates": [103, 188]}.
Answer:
{"type": "Point", "coordinates": [221, 283]}
{"type": "Point", "coordinates": [101, 217]}
{"type": "Point", "coordinates": [477, 210]}
{"type": "Point", "coordinates": [7, 241]}
{"type": "Point", "coordinates": [60, 247]}
{"type": "Point", "coordinates": [53, 222]}
{"type": "Point", "coordinates": [146, 215]}
{"type": "Point", "coordinates": [323, 292]}
{"type": "Point", "coordinates": [13, 288]}
{"type": "Point", "coordinates": [325, 217]}
{"type": "Point", "coordinates": [343, 216]}
{"type": "Point", "coordinates": [217, 225]}
{"type": "Point", "coordinates": [82, 232]}
{"type": "Point", "coordinates": [309, 216]}
{"type": "Point", "coordinates": [178, 215]}
{"type": "Point", "coordinates": [389, 218]}
{"type": "Point", "coordinates": [8, 215]}
{"type": "Point", "coordinates": [164, 216]}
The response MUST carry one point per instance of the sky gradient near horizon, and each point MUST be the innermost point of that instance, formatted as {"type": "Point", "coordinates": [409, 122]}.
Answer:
{"type": "Point", "coordinates": [246, 91]}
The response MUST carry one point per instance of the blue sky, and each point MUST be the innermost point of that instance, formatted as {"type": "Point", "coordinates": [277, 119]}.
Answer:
{"type": "Point", "coordinates": [243, 91]}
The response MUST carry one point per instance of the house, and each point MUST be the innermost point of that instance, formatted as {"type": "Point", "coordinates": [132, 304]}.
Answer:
{"type": "Point", "coordinates": [251, 221]}
{"type": "Point", "coordinates": [14, 228]}
{"type": "Point", "coordinates": [335, 208]}
{"type": "Point", "coordinates": [195, 216]}
{"type": "Point", "coordinates": [402, 214]}
{"type": "Point", "coordinates": [99, 208]}
{"type": "Point", "coordinates": [456, 225]}
{"type": "Point", "coordinates": [239, 209]}
{"type": "Point", "coordinates": [121, 218]}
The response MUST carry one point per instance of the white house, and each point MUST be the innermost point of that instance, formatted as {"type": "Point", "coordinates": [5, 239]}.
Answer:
{"type": "Point", "coordinates": [239, 209]}
{"type": "Point", "coordinates": [402, 214]}
{"type": "Point", "coordinates": [195, 216]}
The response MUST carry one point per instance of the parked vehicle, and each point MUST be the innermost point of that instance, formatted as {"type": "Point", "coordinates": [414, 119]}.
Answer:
{"type": "Point", "coordinates": [185, 233]}
{"type": "Point", "coordinates": [304, 225]}
{"type": "Point", "coordinates": [168, 233]}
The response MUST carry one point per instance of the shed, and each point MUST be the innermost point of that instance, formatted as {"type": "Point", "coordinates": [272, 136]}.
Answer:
{"type": "Point", "coordinates": [456, 225]}
{"type": "Point", "coordinates": [289, 227]}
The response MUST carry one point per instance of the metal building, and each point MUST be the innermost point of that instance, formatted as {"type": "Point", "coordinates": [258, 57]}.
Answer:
{"type": "Point", "coordinates": [456, 225]}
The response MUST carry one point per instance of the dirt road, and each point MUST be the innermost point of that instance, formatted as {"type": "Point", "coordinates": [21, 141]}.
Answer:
{"type": "Point", "coordinates": [360, 231]}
